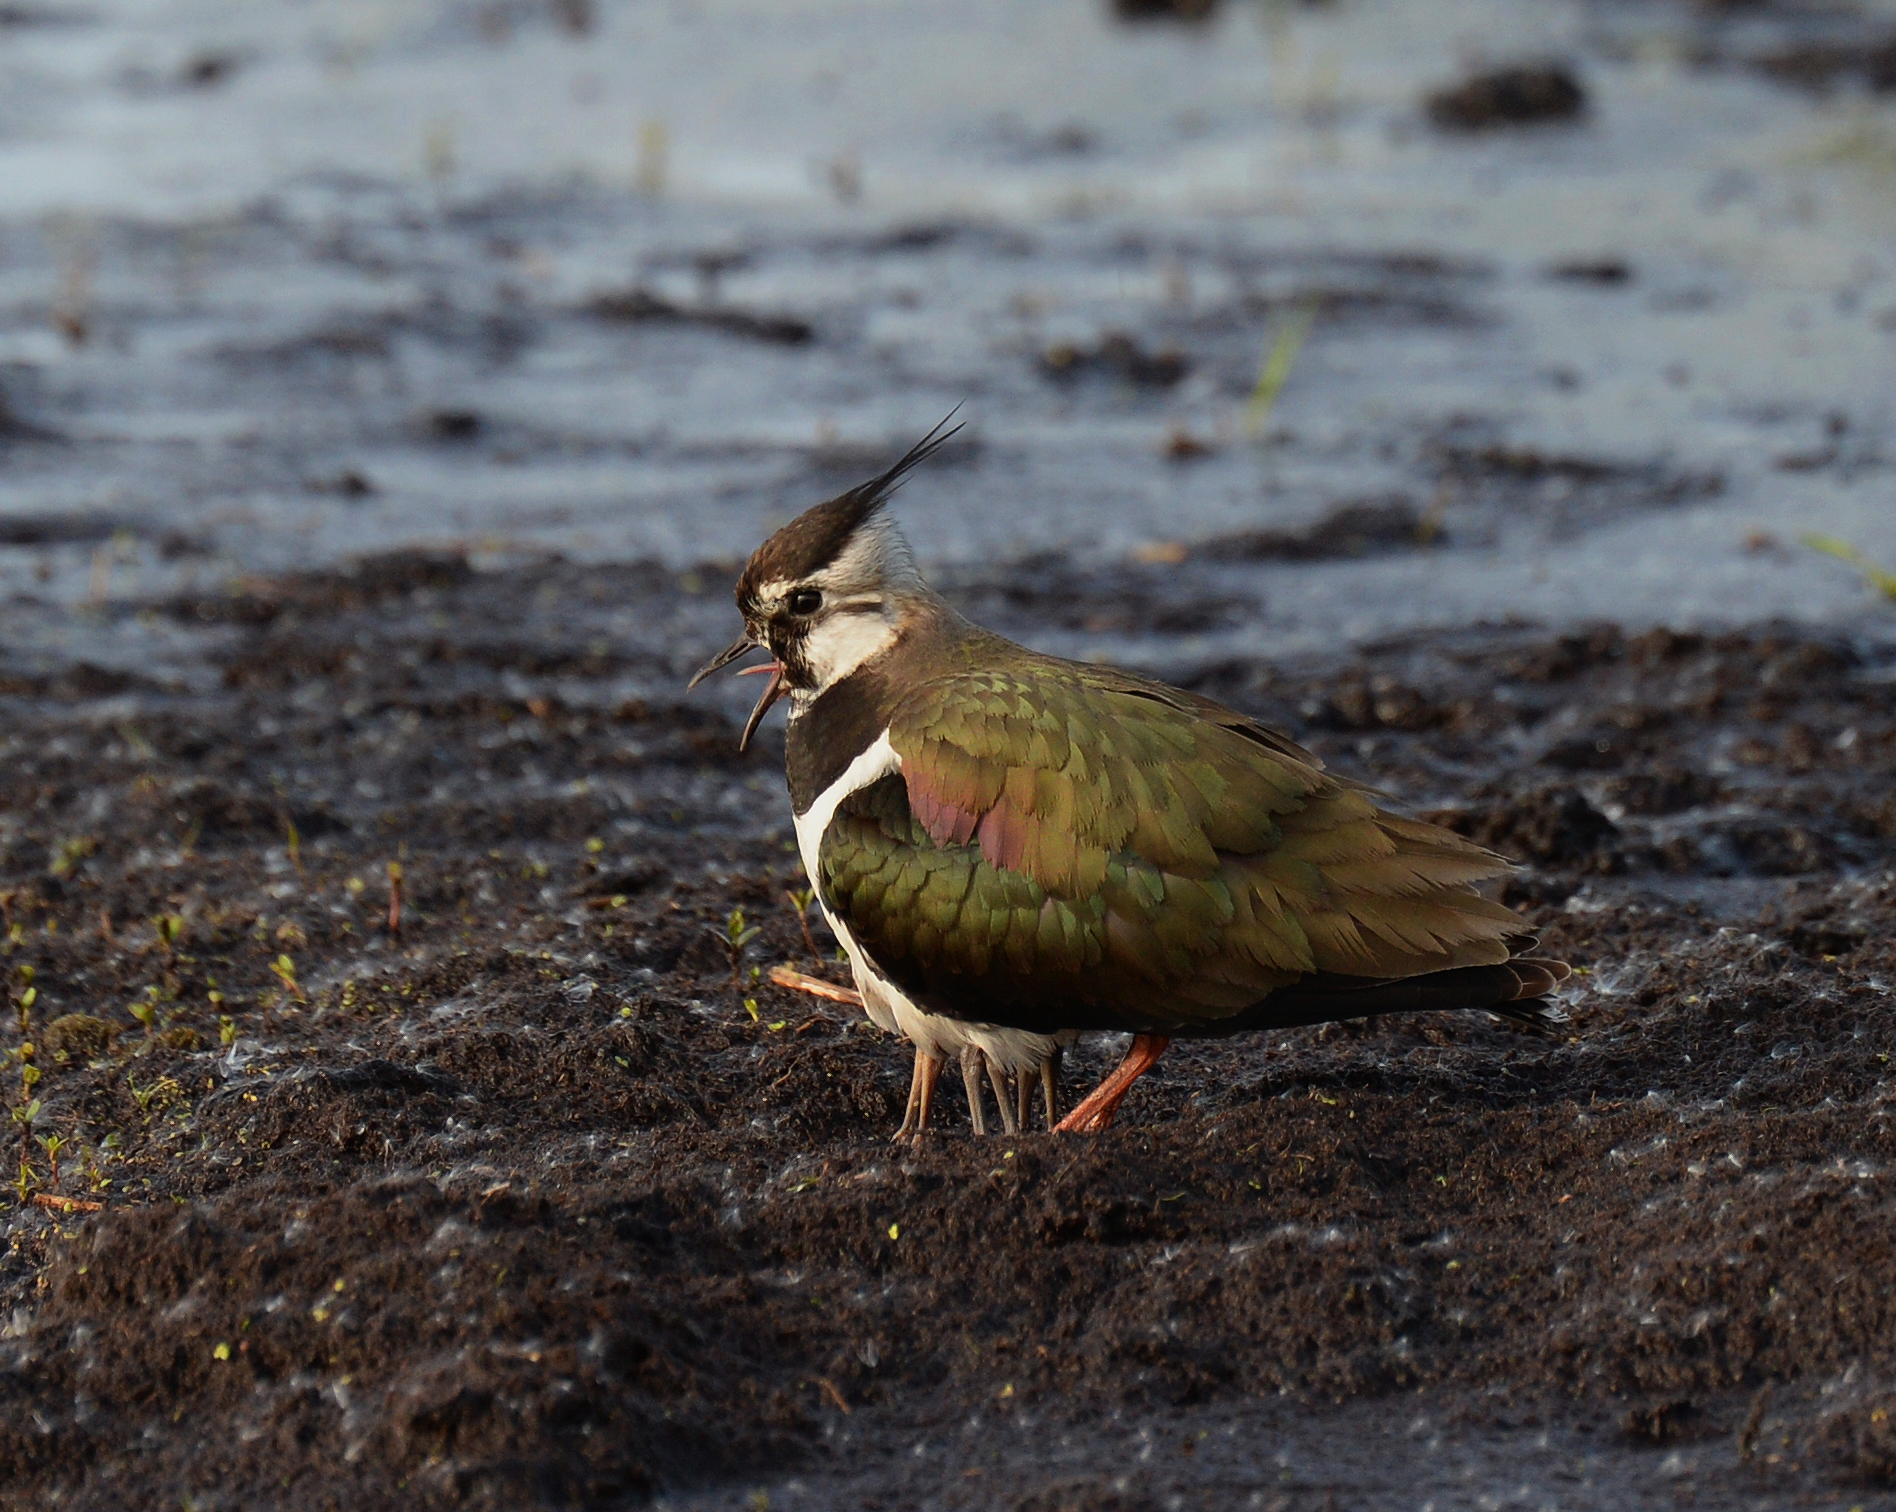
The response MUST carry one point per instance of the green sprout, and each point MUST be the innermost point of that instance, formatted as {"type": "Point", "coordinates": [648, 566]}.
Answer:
{"type": "Point", "coordinates": [146, 1012]}
{"type": "Point", "coordinates": [284, 969]}
{"type": "Point", "coordinates": [1278, 361]}
{"type": "Point", "coordinates": [1879, 578]}
{"type": "Point", "coordinates": [53, 1144]}
{"type": "Point", "coordinates": [71, 853]}
{"type": "Point", "coordinates": [800, 899]}
{"type": "Point", "coordinates": [23, 1114]}
{"type": "Point", "coordinates": [734, 937]}
{"type": "Point", "coordinates": [27, 996]}
{"type": "Point", "coordinates": [91, 1163]}
{"type": "Point", "coordinates": [226, 1030]}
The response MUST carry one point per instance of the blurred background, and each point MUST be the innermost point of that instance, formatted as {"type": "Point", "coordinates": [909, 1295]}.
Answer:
{"type": "Point", "coordinates": [1338, 318]}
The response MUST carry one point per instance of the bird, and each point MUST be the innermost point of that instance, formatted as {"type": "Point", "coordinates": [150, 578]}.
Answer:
{"type": "Point", "coordinates": [1014, 848]}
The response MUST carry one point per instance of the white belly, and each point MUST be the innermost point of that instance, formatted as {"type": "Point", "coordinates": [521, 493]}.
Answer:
{"type": "Point", "coordinates": [886, 1005]}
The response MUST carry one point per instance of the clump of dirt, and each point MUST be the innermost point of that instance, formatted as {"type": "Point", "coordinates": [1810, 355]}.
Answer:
{"type": "Point", "coordinates": [1521, 94]}
{"type": "Point", "coordinates": [1116, 356]}
{"type": "Point", "coordinates": [639, 306]}
{"type": "Point", "coordinates": [1163, 10]}
{"type": "Point", "coordinates": [1821, 66]}
{"type": "Point", "coordinates": [548, 1196]}
{"type": "Point", "coordinates": [1357, 527]}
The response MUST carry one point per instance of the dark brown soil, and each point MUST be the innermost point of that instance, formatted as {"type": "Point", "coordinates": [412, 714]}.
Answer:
{"type": "Point", "coordinates": [548, 1202]}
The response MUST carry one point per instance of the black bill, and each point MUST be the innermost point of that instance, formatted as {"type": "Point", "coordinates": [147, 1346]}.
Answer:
{"type": "Point", "coordinates": [773, 690]}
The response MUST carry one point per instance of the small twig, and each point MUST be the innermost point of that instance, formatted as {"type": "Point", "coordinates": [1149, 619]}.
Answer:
{"type": "Point", "coordinates": [828, 1388]}
{"type": "Point", "coordinates": [1754, 1423]}
{"type": "Point", "coordinates": [66, 1204]}
{"type": "Point", "coordinates": [796, 981]}
{"type": "Point", "coordinates": [105, 927]}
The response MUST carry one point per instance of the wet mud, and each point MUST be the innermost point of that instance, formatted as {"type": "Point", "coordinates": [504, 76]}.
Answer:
{"type": "Point", "coordinates": [411, 1118]}
{"type": "Point", "coordinates": [551, 1198]}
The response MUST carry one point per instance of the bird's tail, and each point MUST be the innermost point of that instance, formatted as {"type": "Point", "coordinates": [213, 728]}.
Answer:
{"type": "Point", "coordinates": [1516, 989]}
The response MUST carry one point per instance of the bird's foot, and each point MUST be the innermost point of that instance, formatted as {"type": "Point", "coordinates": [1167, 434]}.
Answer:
{"type": "Point", "coordinates": [1095, 1113]}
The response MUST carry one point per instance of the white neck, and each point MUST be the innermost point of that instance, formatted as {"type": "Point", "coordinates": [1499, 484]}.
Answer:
{"type": "Point", "coordinates": [843, 640]}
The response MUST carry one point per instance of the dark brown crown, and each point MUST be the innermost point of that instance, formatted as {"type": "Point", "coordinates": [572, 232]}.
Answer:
{"type": "Point", "coordinates": [819, 535]}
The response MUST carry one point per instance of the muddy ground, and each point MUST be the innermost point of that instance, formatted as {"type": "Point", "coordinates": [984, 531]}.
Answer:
{"type": "Point", "coordinates": [374, 382]}
{"type": "Point", "coordinates": [543, 1202]}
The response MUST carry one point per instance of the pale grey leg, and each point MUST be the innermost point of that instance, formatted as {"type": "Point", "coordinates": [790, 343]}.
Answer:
{"type": "Point", "coordinates": [971, 1079]}
{"type": "Point", "coordinates": [1009, 1120]}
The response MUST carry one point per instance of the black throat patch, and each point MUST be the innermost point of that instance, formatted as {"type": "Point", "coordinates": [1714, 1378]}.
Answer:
{"type": "Point", "coordinates": [838, 726]}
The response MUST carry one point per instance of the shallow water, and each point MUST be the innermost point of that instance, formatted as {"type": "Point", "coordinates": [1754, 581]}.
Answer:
{"type": "Point", "coordinates": [333, 297]}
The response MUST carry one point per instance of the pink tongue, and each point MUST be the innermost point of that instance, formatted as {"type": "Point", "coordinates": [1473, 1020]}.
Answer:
{"type": "Point", "coordinates": [760, 669]}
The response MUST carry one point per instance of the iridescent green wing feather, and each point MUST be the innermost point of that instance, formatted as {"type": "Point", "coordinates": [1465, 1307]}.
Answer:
{"type": "Point", "coordinates": [1070, 847]}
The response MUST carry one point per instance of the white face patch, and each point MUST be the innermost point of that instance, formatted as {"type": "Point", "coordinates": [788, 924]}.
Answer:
{"type": "Point", "coordinates": [839, 643]}
{"type": "Point", "coordinates": [859, 619]}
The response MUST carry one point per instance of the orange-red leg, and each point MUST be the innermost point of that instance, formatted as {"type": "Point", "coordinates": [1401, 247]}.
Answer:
{"type": "Point", "coordinates": [1095, 1113]}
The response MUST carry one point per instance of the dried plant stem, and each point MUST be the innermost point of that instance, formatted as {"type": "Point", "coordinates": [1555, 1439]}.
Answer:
{"type": "Point", "coordinates": [796, 981]}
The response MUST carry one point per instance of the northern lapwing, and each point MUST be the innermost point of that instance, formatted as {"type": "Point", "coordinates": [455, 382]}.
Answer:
{"type": "Point", "coordinates": [1013, 848]}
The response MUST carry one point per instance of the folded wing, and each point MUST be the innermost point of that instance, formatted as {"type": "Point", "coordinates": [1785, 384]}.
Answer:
{"type": "Point", "coordinates": [1069, 847]}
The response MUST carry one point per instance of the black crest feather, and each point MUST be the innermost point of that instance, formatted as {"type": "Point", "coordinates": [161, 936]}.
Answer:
{"type": "Point", "coordinates": [815, 537]}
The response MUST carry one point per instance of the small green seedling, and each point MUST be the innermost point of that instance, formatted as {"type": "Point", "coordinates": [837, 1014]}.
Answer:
{"type": "Point", "coordinates": [395, 875]}
{"type": "Point", "coordinates": [168, 927]}
{"type": "Point", "coordinates": [23, 1115]}
{"type": "Point", "coordinates": [800, 899]}
{"type": "Point", "coordinates": [1879, 578]}
{"type": "Point", "coordinates": [1278, 361]}
{"type": "Point", "coordinates": [226, 1030]}
{"type": "Point", "coordinates": [284, 969]}
{"type": "Point", "coordinates": [71, 853]}
{"type": "Point", "coordinates": [25, 996]}
{"type": "Point", "coordinates": [734, 937]}
{"type": "Point", "coordinates": [53, 1144]}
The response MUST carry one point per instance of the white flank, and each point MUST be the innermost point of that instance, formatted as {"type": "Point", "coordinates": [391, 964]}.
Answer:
{"type": "Point", "coordinates": [872, 765]}
{"type": "Point", "coordinates": [878, 997]}
{"type": "Point", "coordinates": [888, 1008]}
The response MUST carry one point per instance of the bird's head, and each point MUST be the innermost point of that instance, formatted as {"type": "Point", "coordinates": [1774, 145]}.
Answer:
{"type": "Point", "coordinates": [829, 591]}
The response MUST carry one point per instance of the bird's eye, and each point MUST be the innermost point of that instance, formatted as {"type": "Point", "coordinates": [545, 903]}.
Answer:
{"type": "Point", "coordinates": [805, 601]}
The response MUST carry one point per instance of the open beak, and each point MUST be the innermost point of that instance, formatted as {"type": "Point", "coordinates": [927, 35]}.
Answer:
{"type": "Point", "coordinates": [773, 690]}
